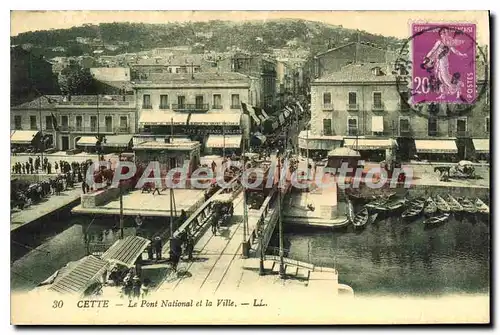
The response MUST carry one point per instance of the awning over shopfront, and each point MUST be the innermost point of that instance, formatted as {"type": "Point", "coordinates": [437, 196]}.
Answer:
{"type": "Point", "coordinates": [436, 146]}
{"type": "Point", "coordinates": [160, 118]}
{"type": "Point", "coordinates": [223, 141]}
{"type": "Point", "coordinates": [87, 141]}
{"type": "Point", "coordinates": [215, 119]}
{"type": "Point", "coordinates": [81, 277]}
{"type": "Point", "coordinates": [126, 251]}
{"type": "Point", "coordinates": [117, 140]}
{"type": "Point", "coordinates": [23, 136]}
{"type": "Point", "coordinates": [316, 142]}
{"type": "Point", "coordinates": [369, 143]}
{"type": "Point", "coordinates": [481, 145]}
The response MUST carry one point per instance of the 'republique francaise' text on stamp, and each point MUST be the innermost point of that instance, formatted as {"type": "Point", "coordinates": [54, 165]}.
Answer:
{"type": "Point", "coordinates": [444, 63]}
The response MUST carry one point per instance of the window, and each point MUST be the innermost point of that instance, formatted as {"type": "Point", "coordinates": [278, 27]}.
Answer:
{"type": "Point", "coordinates": [163, 101]}
{"type": "Point", "coordinates": [64, 122]}
{"type": "Point", "coordinates": [235, 101]}
{"type": "Point", "coordinates": [199, 101]}
{"type": "Point", "coordinates": [108, 121]}
{"type": "Point", "coordinates": [217, 101]}
{"type": "Point", "coordinates": [33, 122]}
{"type": "Point", "coordinates": [327, 127]}
{"type": "Point", "coordinates": [18, 122]}
{"type": "Point", "coordinates": [377, 124]}
{"type": "Point", "coordinates": [377, 100]}
{"type": "Point", "coordinates": [432, 126]}
{"type": "Point", "coordinates": [404, 126]}
{"type": "Point", "coordinates": [93, 123]}
{"type": "Point", "coordinates": [146, 101]}
{"type": "Point", "coordinates": [487, 124]}
{"type": "Point", "coordinates": [352, 125]}
{"type": "Point", "coordinates": [353, 99]}
{"type": "Point", "coordinates": [181, 101]}
{"type": "Point", "coordinates": [48, 122]}
{"type": "Point", "coordinates": [462, 125]}
{"type": "Point", "coordinates": [327, 99]}
{"type": "Point", "coordinates": [123, 123]}
{"type": "Point", "coordinates": [79, 123]}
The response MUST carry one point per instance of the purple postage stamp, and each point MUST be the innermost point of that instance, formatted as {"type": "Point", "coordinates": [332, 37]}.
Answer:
{"type": "Point", "coordinates": [444, 63]}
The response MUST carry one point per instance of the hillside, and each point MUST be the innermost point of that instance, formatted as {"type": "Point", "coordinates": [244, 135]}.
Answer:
{"type": "Point", "coordinates": [256, 36]}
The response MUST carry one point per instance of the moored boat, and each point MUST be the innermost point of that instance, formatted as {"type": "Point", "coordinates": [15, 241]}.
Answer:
{"type": "Point", "coordinates": [373, 218]}
{"type": "Point", "coordinates": [467, 205]}
{"type": "Point", "coordinates": [437, 219]}
{"type": "Point", "coordinates": [361, 218]}
{"type": "Point", "coordinates": [393, 206]}
{"type": "Point", "coordinates": [442, 205]}
{"type": "Point", "coordinates": [430, 207]}
{"type": "Point", "coordinates": [481, 207]}
{"type": "Point", "coordinates": [455, 206]}
{"type": "Point", "coordinates": [415, 209]}
{"type": "Point", "coordinates": [377, 204]}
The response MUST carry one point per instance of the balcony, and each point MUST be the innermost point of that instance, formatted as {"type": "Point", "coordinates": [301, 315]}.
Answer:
{"type": "Point", "coordinates": [327, 107]}
{"type": "Point", "coordinates": [352, 107]}
{"type": "Point", "coordinates": [165, 106]}
{"type": "Point", "coordinates": [353, 131]}
{"type": "Point", "coordinates": [147, 106]}
{"type": "Point", "coordinates": [216, 106]}
{"type": "Point", "coordinates": [80, 129]}
{"type": "Point", "coordinates": [122, 130]}
{"type": "Point", "coordinates": [405, 132]}
{"type": "Point", "coordinates": [432, 132]}
{"type": "Point", "coordinates": [238, 106]}
{"type": "Point", "coordinates": [378, 107]}
{"type": "Point", "coordinates": [190, 108]}
{"type": "Point", "coordinates": [65, 128]}
{"type": "Point", "coordinates": [463, 133]}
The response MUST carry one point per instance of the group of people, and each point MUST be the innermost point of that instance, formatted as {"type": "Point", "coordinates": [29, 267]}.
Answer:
{"type": "Point", "coordinates": [33, 165]}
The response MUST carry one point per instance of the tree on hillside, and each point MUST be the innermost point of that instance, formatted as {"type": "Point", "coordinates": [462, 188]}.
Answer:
{"type": "Point", "coordinates": [74, 80]}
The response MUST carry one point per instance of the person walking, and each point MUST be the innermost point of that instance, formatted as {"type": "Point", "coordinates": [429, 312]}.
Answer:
{"type": "Point", "coordinates": [84, 187]}
{"type": "Point", "coordinates": [158, 247]}
{"type": "Point", "coordinates": [56, 167]}
{"type": "Point", "coordinates": [190, 247]}
{"type": "Point", "coordinates": [49, 168]}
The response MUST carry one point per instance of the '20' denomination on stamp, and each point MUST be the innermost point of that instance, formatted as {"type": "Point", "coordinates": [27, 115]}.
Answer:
{"type": "Point", "coordinates": [444, 63]}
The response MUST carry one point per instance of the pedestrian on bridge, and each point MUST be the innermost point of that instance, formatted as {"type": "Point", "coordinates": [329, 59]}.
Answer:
{"type": "Point", "coordinates": [157, 246]}
{"type": "Point", "coordinates": [190, 247]}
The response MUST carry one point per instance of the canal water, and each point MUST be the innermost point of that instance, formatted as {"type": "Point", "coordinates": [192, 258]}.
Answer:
{"type": "Point", "coordinates": [395, 257]}
{"type": "Point", "coordinates": [388, 257]}
{"type": "Point", "coordinates": [37, 254]}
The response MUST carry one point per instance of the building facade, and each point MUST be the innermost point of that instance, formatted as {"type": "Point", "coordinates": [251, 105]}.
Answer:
{"type": "Point", "coordinates": [76, 121]}
{"type": "Point", "coordinates": [362, 107]}
{"type": "Point", "coordinates": [202, 107]}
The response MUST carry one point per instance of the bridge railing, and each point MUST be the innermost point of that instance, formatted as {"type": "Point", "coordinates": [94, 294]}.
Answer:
{"type": "Point", "coordinates": [199, 219]}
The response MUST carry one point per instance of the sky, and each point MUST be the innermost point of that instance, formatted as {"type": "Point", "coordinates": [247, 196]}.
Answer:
{"type": "Point", "coordinates": [387, 23]}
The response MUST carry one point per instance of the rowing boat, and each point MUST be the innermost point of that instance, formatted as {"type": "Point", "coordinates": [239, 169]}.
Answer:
{"type": "Point", "coordinates": [455, 206]}
{"type": "Point", "coordinates": [437, 219]}
{"type": "Point", "coordinates": [442, 205]}
{"type": "Point", "coordinates": [361, 218]}
{"type": "Point", "coordinates": [430, 206]}
{"type": "Point", "coordinates": [481, 207]}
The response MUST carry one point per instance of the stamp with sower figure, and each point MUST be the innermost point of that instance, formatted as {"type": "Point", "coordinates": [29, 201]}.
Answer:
{"type": "Point", "coordinates": [444, 63]}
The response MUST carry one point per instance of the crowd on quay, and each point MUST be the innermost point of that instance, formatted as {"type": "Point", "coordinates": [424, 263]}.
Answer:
{"type": "Point", "coordinates": [66, 175]}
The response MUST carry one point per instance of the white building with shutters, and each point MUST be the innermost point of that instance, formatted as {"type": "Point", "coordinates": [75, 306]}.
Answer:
{"type": "Point", "coordinates": [357, 107]}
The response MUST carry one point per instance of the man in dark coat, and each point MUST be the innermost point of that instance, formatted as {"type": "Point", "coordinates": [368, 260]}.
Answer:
{"type": "Point", "coordinates": [157, 245]}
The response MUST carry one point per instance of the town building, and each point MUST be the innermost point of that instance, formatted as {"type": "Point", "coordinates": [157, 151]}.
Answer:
{"type": "Point", "coordinates": [362, 107]}
{"type": "Point", "coordinates": [204, 107]}
{"type": "Point", "coordinates": [77, 121]}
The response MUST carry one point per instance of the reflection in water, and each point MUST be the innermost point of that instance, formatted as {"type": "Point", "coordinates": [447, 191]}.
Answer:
{"type": "Point", "coordinates": [392, 256]}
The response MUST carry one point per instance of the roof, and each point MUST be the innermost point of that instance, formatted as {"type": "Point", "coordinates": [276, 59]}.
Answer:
{"type": "Point", "coordinates": [42, 102]}
{"type": "Point", "coordinates": [349, 44]}
{"type": "Point", "coordinates": [126, 251]}
{"type": "Point", "coordinates": [23, 136]}
{"type": "Point", "coordinates": [102, 98]}
{"type": "Point", "coordinates": [223, 77]}
{"type": "Point", "coordinates": [370, 143]}
{"type": "Point", "coordinates": [127, 85]}
{"type": "Point", "coordinates": [117, 140]}
{"type": "Point", "coordinates": [78, 279]}
{"type": "Point", "coordinates": [343, 152]}
{"type": "Point", "coordinates": [223, 141]}
{"type": "Point", "coordinates": [155, 145]}
{"type": "Point", "coordinates": [173, 60]}
{"type": "Point", "coordinates": [358, 73]}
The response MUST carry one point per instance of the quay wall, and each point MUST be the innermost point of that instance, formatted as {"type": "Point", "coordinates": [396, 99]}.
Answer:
{"type": "Point", "coordinates": [482, 193]}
